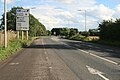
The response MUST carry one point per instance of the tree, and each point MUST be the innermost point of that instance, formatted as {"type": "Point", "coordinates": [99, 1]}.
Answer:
{"type": "Point", "coordinates": [94, 32]}
{"type": "Point", "coordinates": [48, 32]}
{"type": "Point", "coordinates": [73, 31]}
{"type": "Point", "coordinates": [85, 33]}
{"type": "Point", "coordinates": [36, 28]}
{"type": "Point", "coordinates": [110, 30]}
{"type": "Point", "coordinates": [64, 31]}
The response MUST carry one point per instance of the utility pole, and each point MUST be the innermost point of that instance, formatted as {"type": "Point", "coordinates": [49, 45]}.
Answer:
{"type": "Point", "coordinates": [5, 26]}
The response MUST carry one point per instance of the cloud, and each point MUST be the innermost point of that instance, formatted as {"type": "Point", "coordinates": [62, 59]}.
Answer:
{"type": "Point", "coordinates": [117, 11]}
{"type": "Point", "coordinates": [66, 1]}
{"type": "Point", "coordinates": [8, 1]}
{"type": "Point", "coordinates": [63, 13]}
{"type": "Point", "coordinates": [101, 12]}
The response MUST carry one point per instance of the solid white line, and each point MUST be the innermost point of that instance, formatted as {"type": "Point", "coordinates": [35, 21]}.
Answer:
{"type": "Point", "coordinates": [83, 51]}
{"type": "Point", "coordinates": [103, 77]}
{"type": "Point", "coordinates": [104, 59]}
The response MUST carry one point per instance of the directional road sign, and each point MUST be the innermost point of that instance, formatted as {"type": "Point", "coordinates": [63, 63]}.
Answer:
{"type": "Point", "coordinates": [22, 19]}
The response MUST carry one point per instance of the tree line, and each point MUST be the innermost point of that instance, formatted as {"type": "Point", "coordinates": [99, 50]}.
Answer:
{"type": "Point", "coordinates": [110, 30]}
{"type": "Point", "coordinates": [64, 31]}
{"type": "Point", "coordinates": [35, 27]}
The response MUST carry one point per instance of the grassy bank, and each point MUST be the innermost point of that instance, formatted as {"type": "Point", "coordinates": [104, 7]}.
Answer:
{"type": "Point", "coordinates": [13, 46]}
{"type": "Point", "coordinates": [95, 39]}
{"type": "Point", "coordinates": [84, 38]}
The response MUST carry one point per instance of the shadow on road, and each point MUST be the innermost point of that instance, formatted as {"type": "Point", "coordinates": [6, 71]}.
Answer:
{"type": "Point", "coordinates": [51, 46]}
{"type": "Point", "coordinates": [101, 51]}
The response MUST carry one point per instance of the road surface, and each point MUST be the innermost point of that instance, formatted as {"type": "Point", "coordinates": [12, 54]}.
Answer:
{"type": "Point", "coordinates": [51, 58]}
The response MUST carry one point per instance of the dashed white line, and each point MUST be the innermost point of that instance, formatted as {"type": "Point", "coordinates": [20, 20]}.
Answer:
{"type": "Point", "coordinates": [14, 63]}
{"type": "Point", "coordinates": [50, 67]}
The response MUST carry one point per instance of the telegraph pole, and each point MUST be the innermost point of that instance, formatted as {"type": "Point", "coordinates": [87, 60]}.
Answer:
{"type": "Point", "coordinates": [5, 25]}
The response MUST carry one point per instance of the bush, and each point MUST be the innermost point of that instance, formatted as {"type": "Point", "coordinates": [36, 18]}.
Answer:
{"type": "Point", "coordinates": [77, 37]}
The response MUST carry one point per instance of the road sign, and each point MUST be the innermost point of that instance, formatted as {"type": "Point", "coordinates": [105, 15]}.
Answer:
{"type": "Point", "coordinates": [22, 19]}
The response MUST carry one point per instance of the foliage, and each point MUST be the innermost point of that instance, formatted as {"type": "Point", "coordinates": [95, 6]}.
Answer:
{"type": "Point", "coordinates": [13, 46]}
{"type": "Point", "coordinates": [36, 28]}
{"type": "Point", "coordinates": [72, 32]}
{"type": "Point", "coordinates": [77, 37]}
{"type": "Point", "coordinates": [93, 32]}
{"type": "Point", "coordinates": [64, 31]}
{"type": "Point", "coordinates": [48, 32]}
{"type": "Point", "coordinates": [85, 33]}
{"type": "Point", "coordinates": [110, 30]}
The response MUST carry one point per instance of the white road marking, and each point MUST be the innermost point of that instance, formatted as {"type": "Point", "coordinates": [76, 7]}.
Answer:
{"type": "Point", "coordinates": [13, 63]}
{"type": "Point", "coordinates": [94, 55]}
{"type": "Point", "coordinates": [83, 51]}
{"type": "Point", "coordinates": [96, 72]}
{"type": "Point", "coordinates": [50, 67]}
{"type": "Point", "coordinates": [104, 59]}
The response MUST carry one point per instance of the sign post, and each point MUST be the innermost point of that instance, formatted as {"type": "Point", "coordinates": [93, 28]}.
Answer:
{"type": "Point", "coordinates": [22, 21]}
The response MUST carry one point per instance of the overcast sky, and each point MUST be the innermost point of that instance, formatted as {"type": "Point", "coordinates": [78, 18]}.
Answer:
{"type": "Point", "coordinates": [64, 13]}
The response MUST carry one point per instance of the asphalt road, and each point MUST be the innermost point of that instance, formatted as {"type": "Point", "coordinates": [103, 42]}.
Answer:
{"type": "Point", "coordinates": [51, 58]}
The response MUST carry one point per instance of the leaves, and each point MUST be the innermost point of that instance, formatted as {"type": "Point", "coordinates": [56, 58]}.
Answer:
{"type": "Point", "coordinates": [110, 30]}
{"type": "Point", "coordinates": [36, 28]}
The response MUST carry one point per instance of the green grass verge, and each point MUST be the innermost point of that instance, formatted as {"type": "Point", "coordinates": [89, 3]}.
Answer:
{"type": "Point", "coordinates": [13, 46]}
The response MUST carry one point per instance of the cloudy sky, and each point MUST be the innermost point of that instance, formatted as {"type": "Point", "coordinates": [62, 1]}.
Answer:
{"type": "Point", "coordinates": [65, 13]}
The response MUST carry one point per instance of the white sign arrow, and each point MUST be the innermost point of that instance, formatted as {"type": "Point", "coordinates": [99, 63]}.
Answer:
{"type": "Point", "coordinates": [97, 72]}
